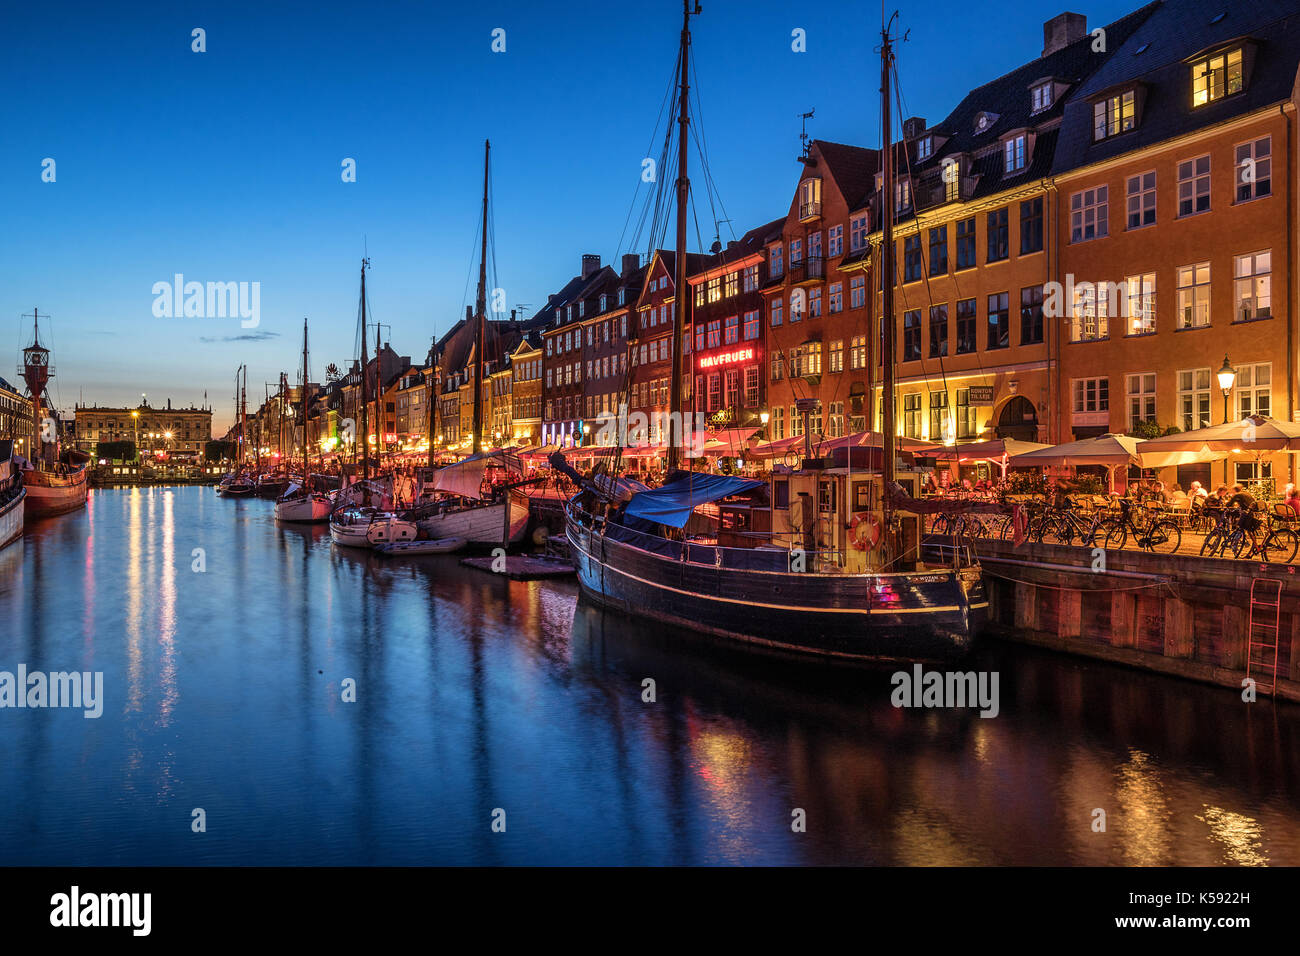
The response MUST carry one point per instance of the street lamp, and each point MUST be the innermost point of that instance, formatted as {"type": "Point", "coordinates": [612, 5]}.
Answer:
{"type": "Point", "coordinates": [1227, 376]}
{"type": "Point", "coordinates": [764, 418]}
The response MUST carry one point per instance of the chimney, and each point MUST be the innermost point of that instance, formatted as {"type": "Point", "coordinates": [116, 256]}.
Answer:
{"type": "Point", "coordinates": [631, 262]}
{"type": "Point", "coordinates": [513, 316]}
{"type": "Point", "coordinates": [1062, 30]}
{"type": "Point", "coordinates": [590, 264]}
{"type": "Point", "coordinates": [469, 313]}
{"type": "Point", "coordinates": [913, 127]}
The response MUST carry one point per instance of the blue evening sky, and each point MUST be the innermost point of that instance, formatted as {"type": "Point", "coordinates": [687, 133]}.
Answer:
{"type": "Point", "coordinates": [225, 165]}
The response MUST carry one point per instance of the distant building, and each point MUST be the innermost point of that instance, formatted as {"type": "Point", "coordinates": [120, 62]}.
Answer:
{"type": "Point", "coordinates": [180, 432]}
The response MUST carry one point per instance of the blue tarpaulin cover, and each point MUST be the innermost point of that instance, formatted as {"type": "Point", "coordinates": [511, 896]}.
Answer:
{"type": "Point", "coordinates": [672, 503]}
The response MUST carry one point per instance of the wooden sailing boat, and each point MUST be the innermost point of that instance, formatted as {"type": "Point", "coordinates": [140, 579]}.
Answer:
{"type": "Point", "coordinates": [838, 575]}
{"type": "Point", "coordinates": [360, 517]}
{"type": "Point", "coordinates": [462, 510]}
{"type": "Point", "coordinates": [238, 484]}
{"type": "Point", "coordinates": [302, 502]}
{"type": "Point", "coordinates": [55, 479]}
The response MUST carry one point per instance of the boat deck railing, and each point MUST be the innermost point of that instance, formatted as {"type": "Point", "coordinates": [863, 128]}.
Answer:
{"type": "Point", "coordinates": [770, 558]}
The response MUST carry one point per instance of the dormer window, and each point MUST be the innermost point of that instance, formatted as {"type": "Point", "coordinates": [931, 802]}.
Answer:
{"type": "Point", "coordinates": [902, 195]}
{"type": "Point", "coordinates": [622, 296]}
{"type": "Point", "coordinates": [984, 121]}
{"type": "Point", "coordinates": [1013, 152]}
{"type": "Point", "coordinates": [603, 299]}
{"type": "Point", "coordinates": [924, 148]}
{"type": "Point", "coordinates": [1114, 115]}
{"type": "Point", "coordinates": [1217, 76]}
{"type": "Point", "coordinates": [810, 199]}
{"type": "Point", "coordinates": [1040, 97]}
{"type": "Point", "coordinates": [951, 179]}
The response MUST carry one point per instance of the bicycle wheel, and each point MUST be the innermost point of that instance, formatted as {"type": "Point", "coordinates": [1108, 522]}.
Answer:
{"type": "Point", "coordinates": [1061, 531]}
{"type": "Point", "coordinates": [1238, 544]}
{"type": "Point", "coordinates": [1280, 546]}
{"type": "Point", "coordinates": [1164, 537]}
{"type": "Point", "coordinates": [1212, 544]}
{"type": "Point", "coordinates": [1112, 535]}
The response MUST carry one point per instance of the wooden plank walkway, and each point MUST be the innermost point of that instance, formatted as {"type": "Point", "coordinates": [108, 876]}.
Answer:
{"type": "Point", "coordinates": [522, 567]}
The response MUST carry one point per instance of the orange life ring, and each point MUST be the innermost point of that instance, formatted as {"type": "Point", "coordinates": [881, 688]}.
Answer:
{"type": "Point", "coordinates": [864, 532]}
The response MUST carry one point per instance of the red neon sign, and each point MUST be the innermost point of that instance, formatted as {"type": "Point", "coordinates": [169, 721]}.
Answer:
{"type": "Point", "coordinates": [726, 358]}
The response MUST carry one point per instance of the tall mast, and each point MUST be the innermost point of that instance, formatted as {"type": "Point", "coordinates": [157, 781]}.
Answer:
{"type": "Point", "coordinates": [480, 344]}
{"type": "Point", "coordinates": [677, 432]}
{"type": "Point", "coordinates": [887, 282]}
{"type": "Point", "coordinates": [433, 399]}
{"type": "Point", "coordinates": [365, 395]}
{"type": "Point", "coordinates": [243, 411]}
{"type": "Point", "coordinates": [306, 468]}
{"type": "Point", "coordinates": [379, 387]}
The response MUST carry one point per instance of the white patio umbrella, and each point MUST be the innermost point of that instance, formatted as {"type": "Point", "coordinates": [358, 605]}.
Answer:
{"type": "Point", "coordinates": [1254, 435]}
{"type": "Point", "coordinates": [1113, 451]}
{"type": "Point", "coordinates": [997, 450]}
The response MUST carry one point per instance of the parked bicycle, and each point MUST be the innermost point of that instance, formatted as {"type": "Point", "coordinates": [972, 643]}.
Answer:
{"type": "Point", "coordinates": [1279, 543]}
{"type": "Point", "coordinates": [1065, 524]}
{"type": "Point", "coordinates": [1158, 534]}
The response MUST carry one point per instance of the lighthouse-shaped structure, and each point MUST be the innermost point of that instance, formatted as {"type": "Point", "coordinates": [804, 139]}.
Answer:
{"type": "Point", "coordinates": [55, 483]}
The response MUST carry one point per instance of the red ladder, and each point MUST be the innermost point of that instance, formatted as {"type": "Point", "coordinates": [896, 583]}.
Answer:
{"type": "Point", "coordinates": [1262, 638]}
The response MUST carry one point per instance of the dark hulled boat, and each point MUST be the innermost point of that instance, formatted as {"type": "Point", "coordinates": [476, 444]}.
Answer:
{"type": "Point", "coordinates": [822, 561]}
{"type": "Point", "coordinates": [770, 594]}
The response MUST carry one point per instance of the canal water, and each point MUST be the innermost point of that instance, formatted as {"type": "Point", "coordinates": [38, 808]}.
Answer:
{"type": "Point", "coordinates": [227, 642]}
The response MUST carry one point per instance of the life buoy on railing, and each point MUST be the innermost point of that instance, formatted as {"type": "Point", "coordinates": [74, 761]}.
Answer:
{"type": "Point", "coordinates": [864, 532]}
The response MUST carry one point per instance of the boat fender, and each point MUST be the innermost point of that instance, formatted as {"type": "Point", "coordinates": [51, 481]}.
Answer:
{"type": "Point", "coordinates": [865, 531]}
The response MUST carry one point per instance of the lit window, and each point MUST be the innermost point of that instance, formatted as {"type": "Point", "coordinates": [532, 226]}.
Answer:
{"type": "Point", "coordinates": [1216, 77]}
{"type": "Point", "coordinates": [810, 199]}
{"type": "Point", "coordinates": [1141, 291]}
{"type": "Point", "coordinates": [1252, 286]}
{"type": "Point", "coordinates": [1114, 115]}
{"type": "Point", "coordinates": [1194, 296]}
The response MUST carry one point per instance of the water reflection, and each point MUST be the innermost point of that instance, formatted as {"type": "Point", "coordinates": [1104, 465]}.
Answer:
{"type": "Point", "coordinates": [225, 690]}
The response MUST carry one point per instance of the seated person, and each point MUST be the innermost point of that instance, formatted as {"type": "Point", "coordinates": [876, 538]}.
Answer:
{"type": "Point", "coordinates": [1292, 500]}
{"type": "Point", "coordinates": [1250, 522]}
{"type": "Point", "coordinates": [1198, 491]}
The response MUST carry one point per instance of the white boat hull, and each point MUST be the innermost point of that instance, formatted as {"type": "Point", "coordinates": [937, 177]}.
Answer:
{"type": "Point", "coordinates": [482, 525]}
{"type": "Point", "coordinates": [53, 494]}
{"type": "Point", "coordinates": [312, 509]}
{"type": "Point", "coordinates": [388, 529]}
{"type": "Point", "coordinates": [11, 518]}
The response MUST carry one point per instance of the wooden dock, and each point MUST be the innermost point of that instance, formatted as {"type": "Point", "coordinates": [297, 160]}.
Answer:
{"type": "Point", "coordinates": [522, 567]}
{"type": "Point", "coordinates": [1174, 614]}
